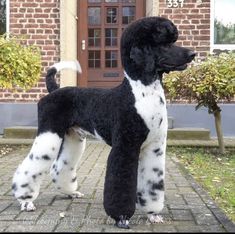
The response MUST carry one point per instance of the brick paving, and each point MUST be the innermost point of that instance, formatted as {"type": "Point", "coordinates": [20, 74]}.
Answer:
{"type": "Point", "coordinates": [188, 208]}
{"type": "Point", "coordinates": [213, 142]}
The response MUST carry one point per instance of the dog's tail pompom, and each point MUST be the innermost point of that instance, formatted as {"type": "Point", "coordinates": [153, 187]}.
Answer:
{"type": "Point", "coordinates": [50, 77]}
{"type": "Point", "coordinates": [73, 65]}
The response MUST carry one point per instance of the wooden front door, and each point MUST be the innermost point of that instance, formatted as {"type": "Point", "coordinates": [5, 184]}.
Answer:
{"type": "Point", "coordinates": [100, 25]}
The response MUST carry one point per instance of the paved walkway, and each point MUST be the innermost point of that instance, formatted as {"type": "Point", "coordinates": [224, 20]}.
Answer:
{"type": "Point", "coordinates": [213, 142]}
{"type": "Point", "coordinates": [188, 208]}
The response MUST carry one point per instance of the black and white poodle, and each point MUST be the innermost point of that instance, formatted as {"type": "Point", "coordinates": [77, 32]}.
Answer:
{"type": "Point", "coordinates": [131, 118]}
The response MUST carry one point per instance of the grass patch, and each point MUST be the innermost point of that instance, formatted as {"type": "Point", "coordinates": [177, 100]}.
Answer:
{"type": "Point", "coordinates": [214, 172]}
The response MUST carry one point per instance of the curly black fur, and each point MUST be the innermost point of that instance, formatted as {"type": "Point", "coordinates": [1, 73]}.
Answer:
{"type": "Point", "coordinates": [147, 51]}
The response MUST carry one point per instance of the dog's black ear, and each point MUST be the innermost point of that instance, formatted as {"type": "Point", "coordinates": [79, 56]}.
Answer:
{"type": "Point", "coordinates": [143, 57]}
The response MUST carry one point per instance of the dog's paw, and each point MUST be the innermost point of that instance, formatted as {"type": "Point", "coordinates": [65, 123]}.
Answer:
{"type": "Point", "coordinates": [122, 224]}
{"type": "Point", "coordinates": [154, 218]}
{"type": "Point", "coordinates": [27, 206]}
{"type": "Point", "coordinates": [76, 194]}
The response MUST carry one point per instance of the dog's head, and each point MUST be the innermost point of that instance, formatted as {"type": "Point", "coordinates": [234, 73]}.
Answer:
{"type": "Point", "coordinates": [148, 49]}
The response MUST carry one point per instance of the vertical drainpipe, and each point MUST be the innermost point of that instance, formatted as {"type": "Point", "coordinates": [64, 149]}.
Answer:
{"type": "Point", "coordinates": [68, 39]}
{"type": "Point", "coordinates": [152, 7]}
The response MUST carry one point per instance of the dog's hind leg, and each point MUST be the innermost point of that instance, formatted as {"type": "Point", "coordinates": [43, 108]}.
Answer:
{"type": "Point", "coordinates": [29, 174]}
{"type": "Point", "coordinates": [151, 173]}
{"type": "Point", "coordinates": [64, 168]}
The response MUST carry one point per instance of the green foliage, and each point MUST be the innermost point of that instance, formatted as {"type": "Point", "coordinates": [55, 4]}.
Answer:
{"type": "Point", "coordinates": [20, 65]}
{"type": "Point", "coordinates": [224, 34]}
{"type": "Point", "coordinates": [208, 82]}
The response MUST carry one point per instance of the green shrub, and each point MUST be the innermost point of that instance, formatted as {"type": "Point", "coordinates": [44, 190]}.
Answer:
{"type": "Point", "coordinates": [20, 65]}
{"type": "Point", "coordinates": [208, 83]}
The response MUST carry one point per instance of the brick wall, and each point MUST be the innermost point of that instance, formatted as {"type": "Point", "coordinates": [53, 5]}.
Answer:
{"type": "Point", "coordinates": [193, 23]}
{"type": "Point", "coordinates": [40, 21]}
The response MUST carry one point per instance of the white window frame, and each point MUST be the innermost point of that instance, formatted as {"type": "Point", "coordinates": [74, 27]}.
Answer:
{"type": "Point", "coordinates": [212, 45]}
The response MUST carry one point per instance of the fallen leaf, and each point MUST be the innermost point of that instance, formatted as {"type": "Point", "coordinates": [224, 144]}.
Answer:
{"type": "Point", "coordinates": [216, 178]}
{"type": "Point", "coordinates": [207, 214]}
{"type": "Point", "coordinates": [62, 214]}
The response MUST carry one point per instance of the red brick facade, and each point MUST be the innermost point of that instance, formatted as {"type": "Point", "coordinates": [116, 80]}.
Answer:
{"type": "Point", "coordinates": [40, 21]}
{"type": "Point", "coordinates": [193, 23]}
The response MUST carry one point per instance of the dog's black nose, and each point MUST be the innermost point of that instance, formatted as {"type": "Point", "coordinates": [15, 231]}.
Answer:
{"type": "Point", "coordinates": [191, 55]}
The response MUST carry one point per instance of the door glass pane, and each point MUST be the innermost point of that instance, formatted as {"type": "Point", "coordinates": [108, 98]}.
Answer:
{"type": "Point", "coordinates": [94, 37]}
{"type": "Point", "coordinates": [111, 17]}
{"type": "Point", "coordinates": [94, 16]}
{"type": "Point", "coordinates": [94, 59]}
{"type": "Point", "coordinates": [111, 58]}
{"type": "Point", "coordinates": [128, 14]}
{"type": "Point", "coordinates": [110, 36]}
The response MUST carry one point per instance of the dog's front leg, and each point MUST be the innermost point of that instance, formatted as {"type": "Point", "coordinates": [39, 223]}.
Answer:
{"type": "Point", "coordinates": [121, 184]}
{"type": "Point", "coordinates": [151, 174]}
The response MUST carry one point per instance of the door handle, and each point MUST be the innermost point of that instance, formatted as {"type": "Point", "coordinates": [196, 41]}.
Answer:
{"type": "Point", "coordinates": [83, 44]}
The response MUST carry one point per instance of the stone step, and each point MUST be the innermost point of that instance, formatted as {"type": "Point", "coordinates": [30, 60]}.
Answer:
{"type": "Point", "coordinates": [27, 132]}
{"type": "Point", "coordinates": [188, 134]}
{"type": "Point", "coordinates": [20, 132]}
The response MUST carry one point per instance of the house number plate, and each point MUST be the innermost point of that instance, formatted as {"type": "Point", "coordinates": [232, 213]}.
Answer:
{"type": "Point", "coordinates": [174, 3]}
